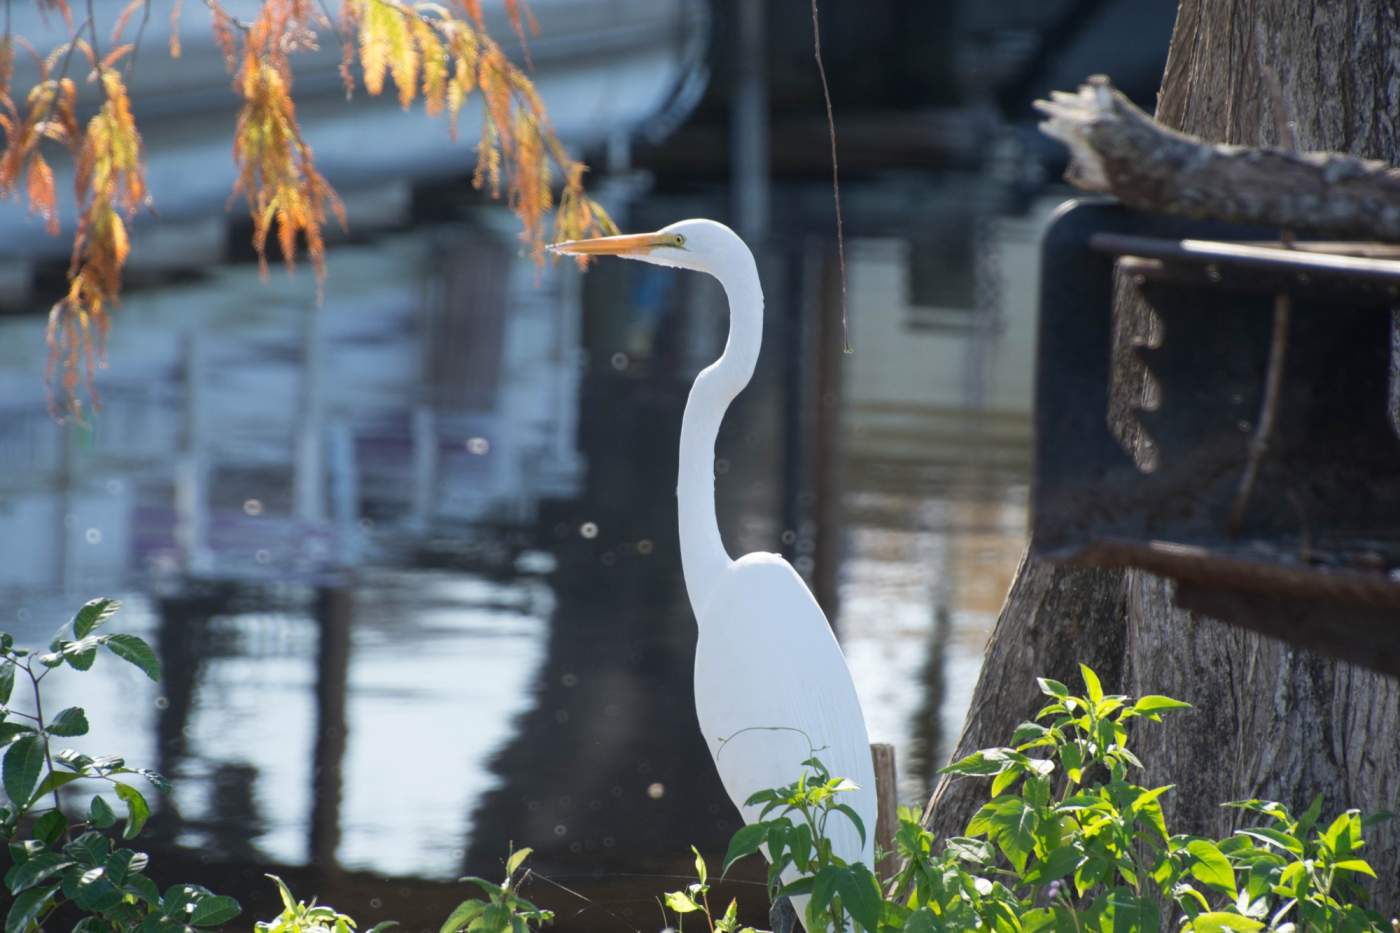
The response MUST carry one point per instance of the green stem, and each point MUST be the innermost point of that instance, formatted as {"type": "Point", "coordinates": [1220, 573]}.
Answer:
{"type": "Point", "coordinates": [43, 735]}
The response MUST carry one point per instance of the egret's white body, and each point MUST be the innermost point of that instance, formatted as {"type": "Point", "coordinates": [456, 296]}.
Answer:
{"type": "Point", "coordinates": [771, 684]}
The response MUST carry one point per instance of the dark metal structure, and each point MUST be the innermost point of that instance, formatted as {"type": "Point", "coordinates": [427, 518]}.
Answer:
{"type": "Point", "coordinates": [1307, 548]}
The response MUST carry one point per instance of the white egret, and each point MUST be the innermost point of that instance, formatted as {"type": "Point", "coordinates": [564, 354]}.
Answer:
{"type": "Point", "coordinates": [771, 683]}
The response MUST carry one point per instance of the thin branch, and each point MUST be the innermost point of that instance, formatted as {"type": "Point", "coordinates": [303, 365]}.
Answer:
{"type": "Point", "coordinates": [92, 28]}
{"type": "Point", "coordinates": [232, 20]}
{"type": "Point", "coordinates": [835, 174]}
{"type": "Point", "coordinates": [43, 736]}
{"type": "Point", "coordinates": [136, 43]}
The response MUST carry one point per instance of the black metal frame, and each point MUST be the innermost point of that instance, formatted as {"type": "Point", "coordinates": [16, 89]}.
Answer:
{"type": "Point", "coordinates": [1317, 559]}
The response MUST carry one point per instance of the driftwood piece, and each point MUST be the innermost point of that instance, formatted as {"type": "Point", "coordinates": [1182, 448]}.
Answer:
{"type": "Point", "coordinates": [1117, 149]}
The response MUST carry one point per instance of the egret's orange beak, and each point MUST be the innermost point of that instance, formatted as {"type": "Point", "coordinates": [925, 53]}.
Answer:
{"type": "Point", "coordinates": [631, 244]}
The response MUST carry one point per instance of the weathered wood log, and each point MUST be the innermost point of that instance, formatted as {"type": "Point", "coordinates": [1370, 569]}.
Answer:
{"type": "Point", "coordinates": [1117, 149]}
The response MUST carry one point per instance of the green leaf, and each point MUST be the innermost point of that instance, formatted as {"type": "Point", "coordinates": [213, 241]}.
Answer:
{"type": "Point", "coordinates": [860, 894]}
{"type": "Point", "coordinates": [81, 654]}
{"type": "Point", "coordinates": [982, 763]}
{"type": "Point", "coordinates": [745, 842]}
{"type": "Point", "coordinates": [160, 783]}
{"type": "Point", "coordinates": [1153, 703]}
{"type": "Point", "coordinates": [92, 614]}
{"type": "Point", "coordinates": [515, 860]}
{"type": "Point", "coordinates": [1210, 866]}
{"type": "Point", "coordinates": [701, 871]}
{"type": "Point", "coordinates": [1091, 683]}
{"type": "Point", "coordinates": [100, 814]}
{"type": "Point", "coordinates": [7, 680]}
{"type": "Point", "coordinates": [136, 651]}
{"type": "Point", "coordinates": [53, 781]}
{"type": "Point", "coordinates": [1274, 837]}
{"type": "Point", "coordinates": [1354, 864]}
{"type": "Point", "coordinates": [1059, 863]}
{"type": "Point", "coordinates": [923, 920]}
{"type": "Point", "coordinates": [137, 810]}
{"type": "Point", "coordinates": [855, 819]}
{"type": "Point", "coordinates": [1010, 823]}
{"type": "Point", "coordinates": [1310, 815]}
{"type": "Point", "coordinates": [1219, 922]}
{"type": "Point", "coordinates": [27, 908]}
{"type": "Point", "coordinates": [1028, 731]}
{"type": "Point", "coordinates": [976, 851]}
{"type": "Point", "coordinates": [9, 731]}
{"type": "Point", "coordinates": [680, 902]}
{"type": "Point", "coordinates": [1343, 837]}
{"type": "Point", "coordinates": [1004, 780]}
{"type": "Point", "coordinates": [35, 870]}
{"type": "Point", "coordinates": [464, 914]}
{"type": "Point", "coordinates": [68, 722]}
{"type": "Point", "coordinates": [92, 890]}
{"type": "Point", "coordinates": [1073, 759]}
{"type": "Point", "coordinates": [90, 849]}
{"type": "Point", "coordinates": [823, 887]}
{"type": "Point", "coordinates": [215, 910]}
{"type": "Point", "coordinates": [50, 826]}
{"type": "Point", "coordinates": [22, 763]}
{"type": "Point", "coordinates": [142, 887]}
{"type": "Point", "coordinates": [1052, 688]}
{"type": "Point", "coordinates": [124, 863]}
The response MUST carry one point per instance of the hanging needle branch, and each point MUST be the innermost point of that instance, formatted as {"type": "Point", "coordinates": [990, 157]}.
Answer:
{"type": "Point", "coordinates": [835, 174]}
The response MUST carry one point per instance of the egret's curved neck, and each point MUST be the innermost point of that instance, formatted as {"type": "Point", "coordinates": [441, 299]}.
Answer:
{"type": "Point", "coordinates": [703, 557]}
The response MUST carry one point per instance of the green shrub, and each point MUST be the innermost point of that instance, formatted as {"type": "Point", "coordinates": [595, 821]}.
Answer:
{"type": "Point", "coordinates": [56, 859]}
{"type": "Point", "coordinates": [503, 910]}
{"type": "Point", "coordinates": [1068, 842]}
{"type": "Point", "coordinates": [301, 917]}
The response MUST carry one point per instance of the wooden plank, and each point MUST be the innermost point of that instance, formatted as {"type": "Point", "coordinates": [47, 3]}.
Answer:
{"type": "Point", "coordinates": [887, 800]}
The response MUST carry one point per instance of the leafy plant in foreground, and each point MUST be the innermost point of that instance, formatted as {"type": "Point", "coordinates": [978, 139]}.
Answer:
{"type": "Point", "coordinates": [301, 917]}
{"type": "Point", "coordinates": [695, 899]}
{"type": "Point", "coordinates": [792, 827]}
{"type": "Point", "coordinates": [503, 911]}
{"type": "Point", "coordinates": [57, 860]}
{"type": "Point", "coordinates": [1069, 842]}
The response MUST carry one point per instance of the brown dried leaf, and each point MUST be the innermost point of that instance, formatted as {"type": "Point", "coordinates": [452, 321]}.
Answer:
{"type": "Point", "coordinates": [42, 199]}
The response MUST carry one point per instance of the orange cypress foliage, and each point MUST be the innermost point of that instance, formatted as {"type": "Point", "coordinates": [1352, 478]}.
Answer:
{"type": "Point", "coordinates": [276, 173]}
{"type": "Point", "coordinates": [517, 152]}
{"type": "Point", "coordinates": [110, 182]}
{"type": "Point", "coordinates": [48, 114]}
{"type": "Point", "coordinates": [440, 53]}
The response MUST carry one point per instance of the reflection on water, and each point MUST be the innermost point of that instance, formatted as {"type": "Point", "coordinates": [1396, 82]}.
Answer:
{"type": "Point", "coordinates": [410, 563]}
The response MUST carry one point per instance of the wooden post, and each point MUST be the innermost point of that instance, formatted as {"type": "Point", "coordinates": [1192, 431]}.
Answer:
{"type": "Point", "coordinates": [887, 800]}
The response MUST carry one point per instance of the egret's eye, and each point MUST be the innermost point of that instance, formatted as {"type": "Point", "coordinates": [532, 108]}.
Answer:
{"type": "Point", "coordinates": [678, 240]}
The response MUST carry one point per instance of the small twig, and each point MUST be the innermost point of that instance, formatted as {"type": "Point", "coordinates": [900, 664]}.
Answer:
{"type": "Point", "coordinates": [1268, 410]}
{"type": "Point", "coordinates": [1278, 341]}
{"type": "Point", "coordinates": [136, 43]}
{"type": "Point", "coordinates": [92, 28]}
{"type": "Point", "coordinates": [39, 718]}
{"type": "Point", "coordinates": [232, 20]}
{"type": "Point", "coordinates": [835, 174]}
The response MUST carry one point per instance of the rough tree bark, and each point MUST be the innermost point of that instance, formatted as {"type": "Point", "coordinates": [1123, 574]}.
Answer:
{"type": "Point", "coordinates": [1270, 721]}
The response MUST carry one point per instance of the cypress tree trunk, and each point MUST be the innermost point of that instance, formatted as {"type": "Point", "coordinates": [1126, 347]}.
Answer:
{"type": "Point", "coordinates": [1270, 721]}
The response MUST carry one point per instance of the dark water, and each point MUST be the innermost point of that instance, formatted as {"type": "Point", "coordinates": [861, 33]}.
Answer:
{"type": "Point", "coordinates": [389, 658]}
